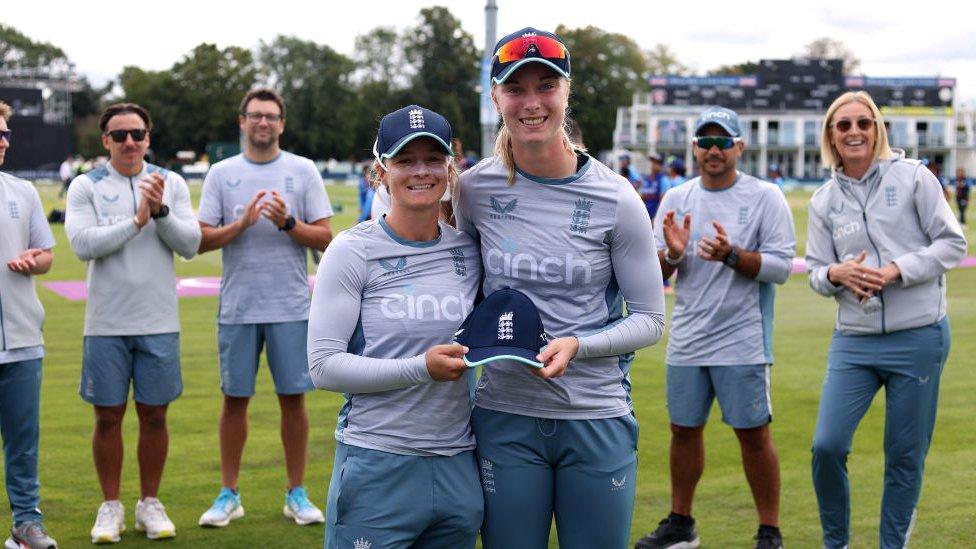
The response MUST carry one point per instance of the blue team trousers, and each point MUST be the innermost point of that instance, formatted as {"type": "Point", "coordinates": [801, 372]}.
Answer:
{"type": "Point", "coordinates": [908, 364]}
{"type": "Point", "coordinates": [582, 471]}
{"type": "Point", "coordinates": [20, 398]}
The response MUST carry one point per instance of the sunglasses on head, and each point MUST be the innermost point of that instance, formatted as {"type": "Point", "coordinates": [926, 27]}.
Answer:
{"type": "Point", "coordinates": [5, 134]}
{"type": "Point", "coordinates": [119, 135]}
{"type": "Point", "coordinates": [521, 47]}
{"type": "Point", "coordinates": [722, 142]}
{"type": "Point", "coordinates": [845, 124]}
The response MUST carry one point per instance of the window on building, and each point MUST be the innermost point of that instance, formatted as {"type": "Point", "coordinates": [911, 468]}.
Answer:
{"type": "Point", "coordinates": [672, 132]}
{"type": "Point", "coordinates": [811, 132]}
{"type": "Point", "coordinates": [787, 133]}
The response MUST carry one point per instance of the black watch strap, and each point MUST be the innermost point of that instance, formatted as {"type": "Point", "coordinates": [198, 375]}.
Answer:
{"type": "Point", "coordinates": [289, 224]}
{"type": "Point", "coordinates": [732, 259]}
{"type": "Point", "coordinates": [163, 212]}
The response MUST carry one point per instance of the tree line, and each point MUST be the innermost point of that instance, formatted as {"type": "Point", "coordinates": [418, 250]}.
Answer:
{"type": "Point", "coordinates": [334, 101]}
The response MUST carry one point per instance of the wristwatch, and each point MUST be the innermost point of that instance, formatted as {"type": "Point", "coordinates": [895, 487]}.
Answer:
{"type": "Point", "coordinates": [732, 259]}
{"type": "Point", "coordinates": [289, 224]}
{"type": "Point", "coordinates": [163, 212]}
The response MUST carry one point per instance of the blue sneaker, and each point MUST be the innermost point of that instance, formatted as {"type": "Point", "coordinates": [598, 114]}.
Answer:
{"type": "Point", "coordinates": [299, 508]}
{"type": "Point", "coordinates": [225, 508]}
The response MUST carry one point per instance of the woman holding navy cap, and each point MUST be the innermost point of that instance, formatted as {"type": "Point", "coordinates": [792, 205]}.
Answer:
{"type": "Point", "coordinates": [571, 234]}
{"type": "Point", "coordinates": [389, 295]}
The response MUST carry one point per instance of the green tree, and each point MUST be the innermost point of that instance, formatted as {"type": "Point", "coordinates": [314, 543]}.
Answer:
{"type": "Point", "coordinates": [831, 48]}
{"type": "Point", "coordinates": [382, 79]}
{"type": "Point", "coordinates": [314, 80]}
{"type": "Point", "coordinates": [196, 101]}
{"type": "Point", "coordinates": [17, 50]}
{"type": "Point", "coordinates": [748, 67]}
{"type": "Point", "coordinates": [447, 65]}
{"type": "Point", "coordinates": [607, 69]}
{"type": "Point", "coordinates": [662, 60]}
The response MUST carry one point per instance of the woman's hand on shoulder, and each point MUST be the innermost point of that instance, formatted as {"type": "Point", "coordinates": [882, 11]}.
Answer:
{"type": "Point", "coordinates": [445, 362]}
{"type": "Point", "coordinates": [556, 356]}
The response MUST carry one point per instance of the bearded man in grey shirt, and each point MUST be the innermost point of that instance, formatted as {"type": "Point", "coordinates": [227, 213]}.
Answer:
{"type": "Point", "coordinates": [730, 238]}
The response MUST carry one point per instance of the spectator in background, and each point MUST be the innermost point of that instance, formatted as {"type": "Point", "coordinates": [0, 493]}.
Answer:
{"type": "Point", "coordinates": [628, 171]}
{"type": "Point", "coordinates": [25, 250]}
{"type": "Point", "coordinates": [67, 172]}
{"type": "Point", "coordinates": [676, 173]}
{"type": "Point", "coordinates": [962, 186]}
{"type": "Point", "coordinates": [776, 176]}
{"type": "Point", "coordinates": [366, 195]}
{"type": "Point", "coordinates": [126, 219]}
{"type": "Point", "coordinates": [654, 186]}
{"type": "Point", "coordinates": [936, 170]}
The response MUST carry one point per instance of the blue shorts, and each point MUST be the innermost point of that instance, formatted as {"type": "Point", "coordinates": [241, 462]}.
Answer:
{"type": "Point", "coordinates": [379, 499]}
{"type": "Point", "coordinates": [743, 394]}
{"type": "Point", "coordinates": [580, 471]}
{"type": "Point", "coordinates": [240, 351]}
{"type": "Point", "coordinates": [151, 362]}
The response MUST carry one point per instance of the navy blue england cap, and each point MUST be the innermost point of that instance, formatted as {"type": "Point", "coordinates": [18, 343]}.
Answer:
{"type": "Point", "coordinates": [403, 126]}
{"type": "Point", "coordinates": [727, 119]}
{"type": "Point", "coordinates": [505, 326]}
{"type": "Point", "coordinates": [528, 45]}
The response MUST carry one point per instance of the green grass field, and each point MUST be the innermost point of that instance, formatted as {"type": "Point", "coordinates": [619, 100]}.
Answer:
{"type": "Point", "coordinates": [70, 493]}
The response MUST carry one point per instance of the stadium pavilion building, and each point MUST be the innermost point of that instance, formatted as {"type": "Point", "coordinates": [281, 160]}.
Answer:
{"type": "Point", "coordinates": [781, 108]}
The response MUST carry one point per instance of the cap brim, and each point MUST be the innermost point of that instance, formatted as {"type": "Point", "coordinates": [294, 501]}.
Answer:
{"type": "Point", "coordinates": [507, 71]}
{"type": "Point", "coordinates": [484, 355]}
{"type": "Point", "coordinates": [402, 142]}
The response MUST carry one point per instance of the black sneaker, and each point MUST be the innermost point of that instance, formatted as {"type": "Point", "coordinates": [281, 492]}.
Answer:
{"type": "Point", "coordinates": [768, 538]}
{"type": "Point", "coordinates": [674, 532]}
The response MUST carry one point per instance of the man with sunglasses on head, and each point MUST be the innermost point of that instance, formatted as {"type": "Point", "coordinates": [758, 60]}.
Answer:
{"type": "Point", "coordinates": [25, 251]}
{"type": "Point", "coordinates": [263, 208]}
{"type": "Point", "coordinates": [730, 238]}
{"type": "Point", "coordinates": [126, 219]}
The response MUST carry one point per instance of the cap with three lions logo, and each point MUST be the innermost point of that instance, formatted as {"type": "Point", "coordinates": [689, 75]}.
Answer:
{"type": "Point", "coordinates": [505, 326]}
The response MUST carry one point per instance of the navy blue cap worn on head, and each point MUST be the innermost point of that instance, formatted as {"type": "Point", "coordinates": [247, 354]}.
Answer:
{"type": "Point", "coordinates": [505, 326]}
{"type": "Point", "coordinates": [726, 119]}
{"type": "Point", "coordinates": [528, 45]}
{"type": "Point", "coordinates": [403, 126]}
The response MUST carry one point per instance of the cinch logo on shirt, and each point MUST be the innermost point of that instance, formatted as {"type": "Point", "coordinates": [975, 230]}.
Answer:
{"type": "Point", "coordinates": [567, 270]}
{"type": "Point", "coordinates": [106, 220]}
{"type": "Point", "coordinates": [503, 211]}
{"type": "Point", "coordinates": [846, 229]}
{"type": "Point", "coordinates": [424, 307]}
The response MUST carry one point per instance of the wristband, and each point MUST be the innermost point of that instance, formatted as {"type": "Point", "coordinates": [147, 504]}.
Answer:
{"type": "Point", "coordinates": [669, 261]}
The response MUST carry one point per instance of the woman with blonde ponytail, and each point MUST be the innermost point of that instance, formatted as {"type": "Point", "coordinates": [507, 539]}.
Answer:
{"type": "Point", "coordinates": [562, 228]}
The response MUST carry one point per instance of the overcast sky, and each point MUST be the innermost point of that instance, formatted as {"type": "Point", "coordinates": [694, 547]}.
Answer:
{"type": "Point", "coordinates": [892, 38]}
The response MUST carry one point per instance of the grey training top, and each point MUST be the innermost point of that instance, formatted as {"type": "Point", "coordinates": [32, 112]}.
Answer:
{"type": "Point", "coordinates": [578, 247]}
{"type": "Point", "coordinates": [22, 226]}
{"type": "Point", "coordinates": [131, 273]}
{"type": "Point", "coordinates": [721, 317]}
{"type": "Point", "coordinates": [380, 302]}
{"type": "Point", "coordinates": [897, 214]}
{"type": "Point", "coordinates": [265, 272]}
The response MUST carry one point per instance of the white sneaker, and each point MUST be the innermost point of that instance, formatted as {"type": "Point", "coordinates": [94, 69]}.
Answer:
{"type": "Point", "coordinates": [300, 509]}
{"type": "Point", "coordinates": [110, 523]}
{"type": "Point", "coordinates": [225, 508]}
{"type": "Point", "coordinates": [151, 518]}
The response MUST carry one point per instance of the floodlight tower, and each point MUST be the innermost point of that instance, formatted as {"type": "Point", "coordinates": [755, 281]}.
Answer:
{"type": "Point", "coordinates": [489, 116]}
